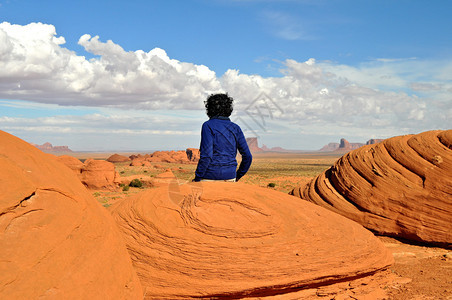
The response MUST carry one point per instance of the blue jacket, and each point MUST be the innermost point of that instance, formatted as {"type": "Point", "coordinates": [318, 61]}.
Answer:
{"type": "Point", "coordinates": [220, 140]}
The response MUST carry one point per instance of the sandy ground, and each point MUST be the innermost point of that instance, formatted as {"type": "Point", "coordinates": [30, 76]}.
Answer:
{"type": "Point", "coordinates": [419, 272]}
{"type": "Point", "coordinates": [426, 271]}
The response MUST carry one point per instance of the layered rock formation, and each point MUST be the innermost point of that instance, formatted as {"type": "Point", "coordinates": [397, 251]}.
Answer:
{"type": "Point", "coordinates": [220, 239]}
{"type": "Point", "coordinates": [399, 187]}
{"type": "Point", "coordinates": [56, 241]}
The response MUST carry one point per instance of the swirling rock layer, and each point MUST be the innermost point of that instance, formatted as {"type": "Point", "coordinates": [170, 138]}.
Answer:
{"type": "Point", "coordinates": [400, 187]}
{"type": "Point", "coordinates": [220, 239]}
{"type": "Point", "coordinates": [56, 241]}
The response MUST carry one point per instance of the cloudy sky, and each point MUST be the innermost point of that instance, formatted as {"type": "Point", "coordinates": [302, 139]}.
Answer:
{"type": "Point", "coordinates": [133, 75]}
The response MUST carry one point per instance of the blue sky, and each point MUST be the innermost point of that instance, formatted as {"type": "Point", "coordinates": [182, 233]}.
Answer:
{"type": "Point", "coordinates": [117, 75]}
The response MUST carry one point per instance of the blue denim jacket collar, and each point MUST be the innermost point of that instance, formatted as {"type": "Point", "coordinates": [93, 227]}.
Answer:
{"type": "Point", "coordinates": [220, 117]}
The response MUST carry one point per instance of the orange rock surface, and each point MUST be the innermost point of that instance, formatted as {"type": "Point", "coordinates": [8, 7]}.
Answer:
{"type": "Point", "coordinates": [117, 158]}
{"type": "Point", "coordinates": [220, 239]}
{"type": "Point", "coordinates": [56, 241]}
{"type": "Point", "coordinates": [73, 163]}
{"type": "Point", "coordinates": [400, 187]}
{"type": "Point", "coordinates": [193, 154]}
{"type": "Point", "coordinates": [99, 174]}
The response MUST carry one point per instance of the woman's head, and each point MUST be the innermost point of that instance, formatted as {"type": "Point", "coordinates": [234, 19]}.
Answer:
{"type": "Point", "coordinates": [219, 105]}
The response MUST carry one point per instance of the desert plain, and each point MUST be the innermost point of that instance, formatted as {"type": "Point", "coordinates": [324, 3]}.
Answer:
{"type": "Point", "coordinates": [169, 238]}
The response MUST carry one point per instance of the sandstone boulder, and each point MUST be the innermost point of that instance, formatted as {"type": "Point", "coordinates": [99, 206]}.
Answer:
{"type": "Point", "coordinates": [220, 239]}
{"type": "Point", "coordinates": [400, 187]}
{"type": "Point", "coordinates": [56, 241]}
{"type": "Point", "coordinates": [118, 158]}
{"type": "Point", "coordinates": [99, 174]}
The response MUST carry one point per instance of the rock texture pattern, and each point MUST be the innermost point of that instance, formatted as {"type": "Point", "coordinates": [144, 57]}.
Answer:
{"type": "Point", "coordinates": [220, 239]}
{"type": "Point", "coordinates": [400, 187]}
{"type": "Point", "coordinates": [56, 241]}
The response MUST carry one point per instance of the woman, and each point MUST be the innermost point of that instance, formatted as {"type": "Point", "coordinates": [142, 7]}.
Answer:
{"type": "Point", "coordinates": [220, 140]}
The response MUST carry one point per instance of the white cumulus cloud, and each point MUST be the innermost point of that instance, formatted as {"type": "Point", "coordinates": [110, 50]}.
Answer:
{"type": "Point", "coordinates": [35, 66]}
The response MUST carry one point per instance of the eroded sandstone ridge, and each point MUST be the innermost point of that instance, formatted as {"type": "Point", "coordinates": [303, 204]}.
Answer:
{"type": "Point", "coordinates": [220, 239]}
{"type": "Point", "coordinates": [399, 187]}
{"type": "Point", "coordinates": [56, 241]}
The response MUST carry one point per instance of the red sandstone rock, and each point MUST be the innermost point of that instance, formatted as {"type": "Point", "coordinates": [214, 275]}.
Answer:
{"type": "Point", "coordinates": [118, 158]}
{"type": "Point", "coordinates": [57, 241]}
{"type": "Point", "coordinates": [400, 187]}
{"type": "Point", "coordinates": [147, 164]}
{"type": "Point", "coordinates": [137, 162]}
{"type": "Point", "coordinates": [193, 154]}
{"type": "Point", "coordinates": [218, 239]}
{"type": "Point", "coordinates": [73, 163]}
{"type": "Point", "coordinates": [99, 174]}
{"type": "Point", "coordinates": [162, 156]}
{"type": "Point", "coordinates": [165, 178]}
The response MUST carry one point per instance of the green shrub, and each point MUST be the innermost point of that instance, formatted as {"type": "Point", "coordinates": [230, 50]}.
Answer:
{"type": "Point", "coordinates": [271, 184]}
{"type": "Point", "coordinates": [125, 188]}
{"type": "Point", "coordinates": [136, 183]}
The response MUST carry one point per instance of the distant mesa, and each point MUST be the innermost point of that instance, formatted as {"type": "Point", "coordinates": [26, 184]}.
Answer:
{"type": "Point", "coordinates": [345, 146]}
{"type": "Point", "coordinates": [57, 241]}
{"type": "Point", "coordinates": [48, 147]}
{"type": "Point", "coordinates": [233, 240]}
{"type": "Point", "coordinates": [253, 145]}
{"type": "Point", "coordinates": [400, 187]}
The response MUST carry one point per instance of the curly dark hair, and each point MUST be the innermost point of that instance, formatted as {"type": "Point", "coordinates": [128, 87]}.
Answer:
{"type": "Point", "coordinates": [219, 105]}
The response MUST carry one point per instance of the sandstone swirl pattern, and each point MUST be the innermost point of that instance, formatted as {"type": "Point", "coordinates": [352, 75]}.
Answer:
{"type": "Point", "coordinates": [219, 239]}
{"type": "Point", "coordinates": [56, 241]}
{"type": "Point", "coordinates": [400, 187]}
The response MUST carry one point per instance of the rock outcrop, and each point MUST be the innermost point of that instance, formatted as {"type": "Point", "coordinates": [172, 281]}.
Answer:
{"type": "Point", "coordinates": [94, 174]}
{"type": "Point", "coordinates": [193, 154]}
{"type": "Point", "coordinates": [219, 239]}
{"type": "Point", "coordinates": [160, 156]}
{"type": "Point", "coordinates": [57, 241]}
{"type": "Point", "coordinates": [115, 158]}
{"type": "Point", "coordinates": [400, 187]}
{"type": "Point", "coordinates": [99, 174]}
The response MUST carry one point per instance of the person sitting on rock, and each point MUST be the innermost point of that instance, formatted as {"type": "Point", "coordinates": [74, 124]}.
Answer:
{"type": "Point", "coordinates": [220, 140]}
